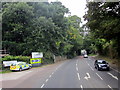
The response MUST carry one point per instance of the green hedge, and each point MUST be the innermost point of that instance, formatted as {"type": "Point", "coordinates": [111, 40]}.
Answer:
{"type": "Point", "coordinates": [18, 58]}
{"type": "Point", "coordinates": [48, 58]}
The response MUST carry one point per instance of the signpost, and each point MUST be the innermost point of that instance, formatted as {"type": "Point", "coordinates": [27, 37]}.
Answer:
{"type": "Point", "coordinates": [36, 59]}
{"type": "Point", "coordinates": [37, 55]}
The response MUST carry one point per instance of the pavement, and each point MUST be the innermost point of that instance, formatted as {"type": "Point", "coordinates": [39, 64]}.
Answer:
{"type": "Point", "coordinates": [74, 73]}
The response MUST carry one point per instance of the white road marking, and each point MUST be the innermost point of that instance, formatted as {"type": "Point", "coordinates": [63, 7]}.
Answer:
{"type": "Point", "coordinates": [88, 64]}
{"type": "Point", "coordinates": [50, 76]}
{"type": "Point", "coordinates": [87, 76]}
{"type": "Point", "coordinates": [42, 86]}
{"type": "Point", "coordinates": [77, 61]}
{"type": "Point", "coordinates": [78, 76]}
{"type": "Point", "coordinates": [112, 76]}
{"type": "Point", "coordinates": [52, 73]}
{"type": "Point", "coordinates": [77, 68]}
{"type": "Point", "coordinates": [99, 76]}
{"type": "Point", "coordinates": [115, 70]}
{"type": "Point", "coordinates": [59, 66]}
{"type": "Point", "coordinates": [91, 68]}
{"type": "Point", "coordinates": [46, 80]}
{"type": "Point", "coordinates": [81, 87]}
{"type": "Point", "coordinates": [76, 65]}
{"type": "Point", "coordinates": [110, 87]}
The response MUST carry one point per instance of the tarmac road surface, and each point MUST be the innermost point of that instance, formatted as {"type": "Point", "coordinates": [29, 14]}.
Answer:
{"type": "Point", "coordinates": [75, 73]}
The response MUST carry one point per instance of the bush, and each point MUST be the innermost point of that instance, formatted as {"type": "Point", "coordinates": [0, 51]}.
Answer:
{"type": "Point", "coordinates": [18, 58]}
{"type": "Point", "coordinates": [48, 58]}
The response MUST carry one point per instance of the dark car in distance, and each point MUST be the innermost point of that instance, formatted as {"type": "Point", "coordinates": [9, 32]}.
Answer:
{"type": "Point", "coordinates": [101, 65]}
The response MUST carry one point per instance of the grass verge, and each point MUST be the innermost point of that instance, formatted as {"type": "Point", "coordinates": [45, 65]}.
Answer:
{"type": "Point", "coordinates": [5, 71]}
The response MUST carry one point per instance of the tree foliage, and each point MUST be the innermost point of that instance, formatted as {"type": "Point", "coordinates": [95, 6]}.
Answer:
{"type": "Point", "coordinates": [104, 22]}
{"type": "Point", "coordinates": [40, 26]}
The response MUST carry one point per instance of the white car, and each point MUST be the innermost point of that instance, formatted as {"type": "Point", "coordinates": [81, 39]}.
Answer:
{"type": "Point", "coordinates": [85, 56]}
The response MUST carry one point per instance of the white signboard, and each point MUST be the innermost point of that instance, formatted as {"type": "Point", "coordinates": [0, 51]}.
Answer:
{"type": "Point", "coordinates": [8, 63]}
{"type": "Point", "coordinates": [37, 55]}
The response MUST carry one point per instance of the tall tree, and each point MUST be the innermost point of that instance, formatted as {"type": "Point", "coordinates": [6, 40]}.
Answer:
{"type": "Point", "coordinates": [16, 23]}
{"type": "Point", "coordinates": [104, 21]}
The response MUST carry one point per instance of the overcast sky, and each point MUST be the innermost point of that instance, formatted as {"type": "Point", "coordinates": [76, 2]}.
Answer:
{"type": "Point", "coordinates": [76, 7]}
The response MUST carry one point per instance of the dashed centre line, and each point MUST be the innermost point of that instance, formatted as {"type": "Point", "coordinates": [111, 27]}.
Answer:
{"type": "Point", "coordinates": [47, 80]}
{"type": "Point", "coordinates": [88, 64]}
{"type": "Point", "coordinates": [50, 76]}
{"type": "Point", "coordinates": [78, 76]}
{"type": "Point", "coordinates": [81, 87]}
{"type": "Point", "coordinates": [52, 73]}
{"type": "Point", "coordinates": [91, 68]}
{"type": "Point", "coordinates": [77, 68]}
{"type": "Point", "coordinates": [112, 76]}
{"type": "Point", "coordinates": [42, 86]}
{"type": "Point", "coordinates": [76, 61]}
{"type": "Point", "coordinates": [99, 76]}
{"type": "Point", "coordinates": [76, 65]}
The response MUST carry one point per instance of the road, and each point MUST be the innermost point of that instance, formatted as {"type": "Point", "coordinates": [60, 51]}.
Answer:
{"type": "Point", "coordinates": [75, 73]}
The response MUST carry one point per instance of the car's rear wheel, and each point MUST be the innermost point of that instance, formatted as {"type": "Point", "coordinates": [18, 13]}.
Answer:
{"type": "Point", "coordinates": [95, 67]}
{"type": "Point", "coordinates": [98, 68]}
{"type": "Point", "coordinates": [20, 69]}
{"type": "Point", "coordinates": [30, 67]}
{"type": "Point", "coordinates": [108, 69]}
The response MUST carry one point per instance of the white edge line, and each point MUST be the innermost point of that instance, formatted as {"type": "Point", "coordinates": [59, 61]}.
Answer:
{"type": "Point", "coordinates": [42, 86]}
{"type": "Point", "coordinates": [99, 76]}
{"type": "Point", "coordinates": [46, 80]}
{"type": "Point", "coordinates": [110, 87]}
